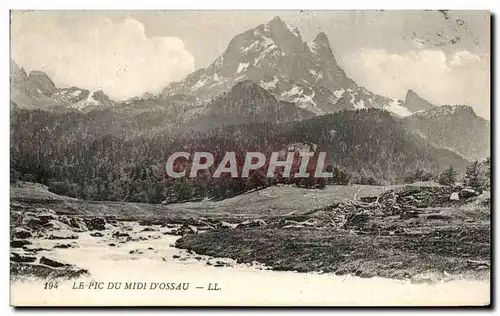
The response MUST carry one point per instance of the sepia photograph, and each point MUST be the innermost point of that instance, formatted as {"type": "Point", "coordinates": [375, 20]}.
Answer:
{"type": "Point", "coordinates": [250, 158]}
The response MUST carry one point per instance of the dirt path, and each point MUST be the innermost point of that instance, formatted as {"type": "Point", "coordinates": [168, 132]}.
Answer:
{"type": "Point", "coordinates": [355, 197]}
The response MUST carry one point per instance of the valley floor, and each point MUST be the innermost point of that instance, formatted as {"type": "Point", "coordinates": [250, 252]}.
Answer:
{"type": "Point", "coordinates": [365, 245]}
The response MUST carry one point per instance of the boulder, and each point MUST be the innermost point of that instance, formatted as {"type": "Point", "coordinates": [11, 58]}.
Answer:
{"type": "Point", "coordinates": [395, 265]}
{"type": "Point", "coordinates": [111, 219]}
{"type": "Point", "coordinates": [148, 229]}
{"type": "Point", "coordinates": [45, 214]}
{"type": "Point", "coordinates": [95, 223]}
{"type": "Point", "coordinates": [194, 222]}
{"type": "Point", "coordinates": [425, 278]}
{"type": "Point", "coordinates": [185, 230]}
{"type": "Point", "coordinates": [219, 263]}
{"type": "Point", "coordinates": [151, 221]}
{"type": "Point", "coordinates": [366, 274]}
{"type": "Point", "coordinates": [341, 271]}
{"type": "Point", "coordinates": [97, 234]}
{"type": "Point", "coordinates": [44, 272]}
{"type": "Point", "coordinates": [357, 221]}
{"type": "Point", "coordinates": [408, 215]}
{"type": "Point", "coordinates": [15, 257]}
{"type": "Point", "coordinates": [77, 223]}
{"type": "Point", "coordinates": [52, 263]}
{"type": "Point", "coordinates": [31, 221]}
{"type": "Point", "coordinates": [467, 193]}
{"type": "Point", "coordinates": [34, 249]}
{"type": "Point", "coordinates": [252, 223]}
{"type": "Point", "coordinates": [21, 233]}
{"type": "Point", "coordinates": [118, 234]}
{"type": "Point", "coordinates": [478, 263]}
{"type": "Point", "coordinates": [398, 274]}
{"type": "Point", "coordinates": [58, 225]}
{"type": "Point", "coordinates": [63, 246]}
{"type": "Point", "coordinates": [62, 234]}
{"type": "Point", "coordinates": [439, 217]}
{"type": "Point", "coordinates": [455, 196]}
{"type": "Point", "coordinates": [19, 243]}
{"type": "Point", "coordinates": [226, 225]}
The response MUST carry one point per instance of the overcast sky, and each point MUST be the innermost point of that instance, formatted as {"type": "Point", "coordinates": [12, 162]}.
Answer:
{"type": "Point", "coordinates": [443, 56]}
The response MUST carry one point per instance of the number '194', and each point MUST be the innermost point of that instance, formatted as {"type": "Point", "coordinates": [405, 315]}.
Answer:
{"type": "Point", "coordinates": [50, 285]}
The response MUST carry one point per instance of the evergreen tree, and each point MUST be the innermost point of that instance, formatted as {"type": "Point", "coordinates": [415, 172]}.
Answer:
{"type": "Point", "coordinates": [448, 177]}
{"type": "Point", "coordinates": [473, 176]}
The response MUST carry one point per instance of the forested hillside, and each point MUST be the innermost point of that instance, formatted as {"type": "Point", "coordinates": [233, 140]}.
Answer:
{"type": "Point", "coordinates": [75, 153]}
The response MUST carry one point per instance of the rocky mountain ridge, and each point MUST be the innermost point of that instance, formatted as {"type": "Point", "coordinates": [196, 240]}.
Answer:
{"type": "Point", "coordinates": [37, 90]}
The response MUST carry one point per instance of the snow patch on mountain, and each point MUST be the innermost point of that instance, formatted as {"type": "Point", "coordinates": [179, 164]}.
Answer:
{"type": "Point", "coordinates": [200, 83]}
{"type": "Point", "coordinates": [295, 90]}
{"type": "Point", "coordinates": [312, 47]}
{"type": "Point", "coordinates": [359, 105]}
{"type": "Point", "coordinates": [269, 85]}
{"type": "Point", "coordinates": [396, 108]}
{"type": "Point", "coordinates": [242, 67]}
{"type": "Point", "coordinates": [89, 101]}
{"type": "Point", "coordinates": [338, 93]}
{"type": "Point", "coordinates": [219, 61]}
{"type": "Point", "coordinates": [268, 46]}
{"type": "Point", "coordinates": [216, 80]}
{"type": "Point", "coordinates": [307, 102]}
{"type": "Point", "coordinates": [248, 48]}
{"type": "Point", "coordinates": [294, 30]}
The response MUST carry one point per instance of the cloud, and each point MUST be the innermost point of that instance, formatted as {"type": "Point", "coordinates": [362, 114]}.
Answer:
{"type": "Point", "coordinates": [460, 77]}
{"type": "Point", "coordinates": [98, 53]}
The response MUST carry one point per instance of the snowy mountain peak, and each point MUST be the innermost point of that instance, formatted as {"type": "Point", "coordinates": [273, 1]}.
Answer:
{"type": "Point", "coordinates": [37, 90]}
{"type": "Point", "coordinates": [275, 56]}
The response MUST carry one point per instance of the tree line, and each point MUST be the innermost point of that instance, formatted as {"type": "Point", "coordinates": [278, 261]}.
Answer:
{"type": "Point", "coordinates": [89, 156]}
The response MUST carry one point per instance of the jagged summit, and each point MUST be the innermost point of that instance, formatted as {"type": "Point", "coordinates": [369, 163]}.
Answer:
{"type": "Point", "coordinates": [277, 20]}
{"type": "Point", "coordinates": [272, 55]}
{"type": "Point", "coordinates": [322, 40]}
{"type": "Point", "coordinates": [277, 23]}
{"type": "Point", "coordinates": [414, 102]}
{"type": "Point", "coordinates": [275, 56]}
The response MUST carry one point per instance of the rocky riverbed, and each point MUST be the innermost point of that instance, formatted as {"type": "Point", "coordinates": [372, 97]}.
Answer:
{"type": "Point", "coordinates": [416, 243]}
